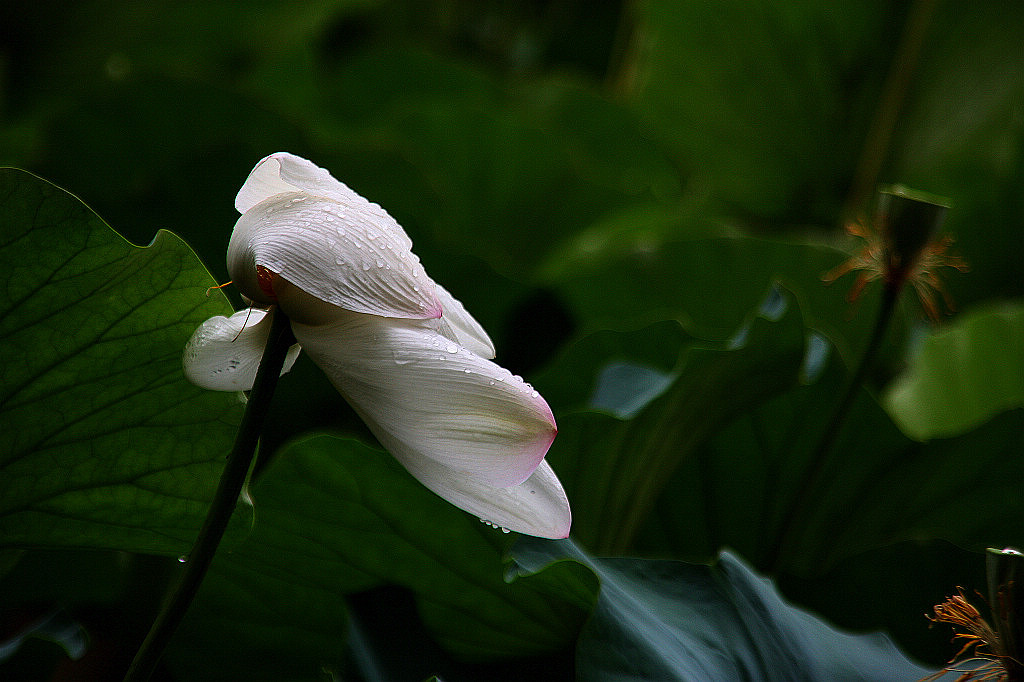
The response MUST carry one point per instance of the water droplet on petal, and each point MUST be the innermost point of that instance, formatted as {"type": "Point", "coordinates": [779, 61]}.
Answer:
{"type": "Point", "coordinates": [453, 348]}
{"type": "Point", "coordinates": [366, 266]}
{"type": "Point", "coordinates": [535, 395]}
{"type": "Point", "coordinates": [495, 526]}
{"type": "Point", "coordinates": [380, 263]}
{"type": "Point", "coordinates": [183, 558]}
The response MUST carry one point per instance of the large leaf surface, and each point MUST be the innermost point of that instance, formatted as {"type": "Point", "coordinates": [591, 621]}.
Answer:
{"type": "Point", "coordinates": [618, 279]}
{"type": "Point", "coordinates": [962, 375]}
{"type": "Point", "coordinates": [667, 620]}
{"type": "Point", "coordinates": [336, 517]}
{"type": "Point", "coordinates": [616, 468]}
{"type": "Point", "coordinates": [719, 449]}
{"type": "Point", "coordinates": [767, 103]}
{"type": "Point", "coordinates": [103, 443]}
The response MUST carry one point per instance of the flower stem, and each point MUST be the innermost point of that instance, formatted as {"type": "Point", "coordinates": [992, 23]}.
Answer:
{"type": "Point", "coordinates": [820, 458]}
{"type": "Point", "coordinates": [894, 92]}
{"type": "Point", "coordinates": [223, 505]}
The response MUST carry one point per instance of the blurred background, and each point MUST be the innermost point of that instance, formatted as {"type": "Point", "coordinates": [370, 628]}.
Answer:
{"type": "Point", "coordinates": [520, 142]}
{"type": "Point", "coordinates": [511, 138]}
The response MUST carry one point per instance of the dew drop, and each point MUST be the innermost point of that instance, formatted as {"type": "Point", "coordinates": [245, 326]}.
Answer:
{"type": "Point", "coordinates": [492, 382]}
{"type": "Point", "coordinates": [415, 288]}
{"type": "Point", "coordinates": [453, 349]}
{"type": "Point", "coordinates": [535, 395]}
{"type": "Point", "coordinates": [183, 558]}
{"type": "Point", "coordinates": [338, 261]}
{"type": "Point", "coordinates": [380, 263]}
{"type": "Point", "coordinates": [505, 530]}
{"type": "Point", "coordinates": [329, 218]}
{"type": "Point", "coordinates": [366, 266]}
{"type": "Point", "coordinates": [468, 371]}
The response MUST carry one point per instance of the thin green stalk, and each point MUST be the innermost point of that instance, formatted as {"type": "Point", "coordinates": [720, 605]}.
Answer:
{"type": "Point", "coordinates": [223, 505]}
{"type": "Point", "coordinates": [821, 455]}
{"type": "Point", "coordinates": [894, 92]}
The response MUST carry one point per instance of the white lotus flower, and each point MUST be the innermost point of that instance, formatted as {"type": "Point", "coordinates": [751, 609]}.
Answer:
{"type": "Point", "coordinates": [406, 355]}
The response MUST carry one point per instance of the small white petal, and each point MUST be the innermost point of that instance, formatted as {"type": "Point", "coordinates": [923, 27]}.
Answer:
{"type": "Point", "coordinates": [224, 352]}
{"type": "Point", "coordinates": [264, 182]}
{"type": "Point", "coordinates": [462, 328]}
{"type": "Point", "coordinates": [425, 396]}
{"type": "Point", "coordinates": [537, 506]}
